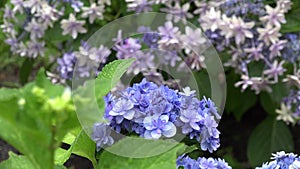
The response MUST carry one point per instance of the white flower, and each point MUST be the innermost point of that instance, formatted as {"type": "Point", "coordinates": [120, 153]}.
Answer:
{"type": "Point", "coordinates": [210, 20]}
{"type": "Point", "coordinates": [237, 28]}
{"type": "Point", "coordinates": [269, 34]}
{"type": "Point", "coordinates": [285, 114]}
{"type": "Point", "coordinates": [37, 30]}
{"type": "Point", "coordinates": [93, 12]}
{"type": "Point", "coordinates": [275, 16]}
{"type": "Point", "coordinates": [187, 92]}
{"type": "Point", "coordinates": [72, 26]}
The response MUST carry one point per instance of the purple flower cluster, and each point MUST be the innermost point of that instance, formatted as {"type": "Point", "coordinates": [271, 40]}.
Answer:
{"type": "Point", "coordinates": [236, 26]}
{"type": "Point", "coordinates": [201, 163]}
{"type": "Point", "coordinates": [282, 160]}
{"type": "Point", "coordinates": [152, 112]}
{"type": "Point", "coordinates": [89, 61]}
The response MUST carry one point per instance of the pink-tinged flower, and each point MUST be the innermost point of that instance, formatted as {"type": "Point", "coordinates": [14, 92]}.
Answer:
{"type": "Point", "coordinates": [37, 30]}
{"type": "Point", "coordinates": [93, 12]}
{"type": "Point", "coordinates": [269, 34]}
{"type": "Point", "coordinates": [72, 26]}
{"type": "Point", "coordinates": [255, 52]}
{"type": "Point", "coordinates": [275, 70]}
{"type": "Point", "coordinates": [276, 48]}
{"type": "Point", "coordinates": [237, 28]}
{"type": "Point", "coordinates": [210, 20]}
{"type": "Point", "coordinates": [285, 5]}
{"type": "Point", "coordinates": [275, 16]}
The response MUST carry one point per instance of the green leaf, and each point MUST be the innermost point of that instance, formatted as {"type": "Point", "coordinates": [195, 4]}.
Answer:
{"type": "Point", "coordinates": [55, 34]}
{"type": "Point", "coordinates": [16, 162]}
{"type": "Point", "coordinates": [110, 75]}
{"type": "Point", "coordinates": [138, 147]}
{"type": "Point", "coordinates": [25, 70]}
{"type": "Point", "coordinates": [268, 137]}
{"type": "Point", "coordinates": [292, 19]}
{"type": "Point", "coordinates": [267, 102]}
{"type": "Point", "coordinates": [82, 146]}
{"type": "Point", "coordinates": [89, 97]}
{"type": "Point", "coordinates": [238, 102]}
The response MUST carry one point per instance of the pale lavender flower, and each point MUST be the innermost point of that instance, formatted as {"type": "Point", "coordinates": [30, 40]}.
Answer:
{"type": "Point", "coordinates": [276, 47]}
{"type": "Point", "coordinates": [35, 49]}
{"type": "Point", "coordinates": [275, 16]}
{"type": "Point", "coordinates": [177, 12]}
{"type": "Point", "coordinates": [37, 30]}
{"type": "Point", "coordinates": [195, 62]}
{"type": "Point", "coordinates": [93, 12]}
{"type": "Point", "coordinates": [255, 52]}
{"type": "Point", "coordinates": [269, 34]}
{"type": "Point", "coordinates": [210, 20]}
{"type": "Point", "coordinates": [169, 37]}
{"type": "Point", "coordinates": [75, 4]}
{"type": "Point", "coordinates": [8, 12]}
{"type": "Point", "coordinates": [8, 27]}
{"type": "Point", "coordinates": [35, 6]}
{"type": "Point", "coordinates": [22, 50]}
{"type": "Point", "coordinates": [139, 5]}
{"type": "Point", "coordinates": [101, 135]}
{"type": "Point", "coordinates": [72, 26]}
{"type": "Point", "coordinates": [126, 48]}
{"type": "Point", "coordinates": [285, 5]}
{"type": "Point", "coordinates": [245, 83]}
{"type": "Point", "coordinates": [156, 126]}
{"type": "Point", "coordinates": [238, 29]}
{"type": "Point", "coordinates": [194, 40]}
{"type": "Point", "coordinates": [275, 70]}
{"type": "Point", "coordinates": [144, 61]}
{"type": "Point", "coordinates": [48, 15]}
{"type": "Point", "coordinates": [18, 5]}
{"type": "Point", "coordinates": [13, 43]}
